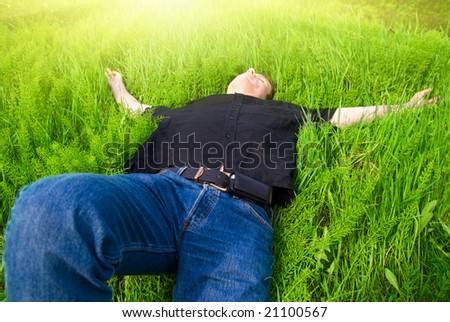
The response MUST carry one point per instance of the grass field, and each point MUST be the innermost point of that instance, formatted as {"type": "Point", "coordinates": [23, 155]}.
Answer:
{"type": "Point", "coordinates": [371, 218]}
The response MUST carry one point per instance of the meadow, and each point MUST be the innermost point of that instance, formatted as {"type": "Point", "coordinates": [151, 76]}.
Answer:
{"type": "Point", "coordinates": [370, 221]}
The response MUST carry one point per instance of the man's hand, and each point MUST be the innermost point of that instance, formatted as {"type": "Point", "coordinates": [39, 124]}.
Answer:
{"type": "Point", "coordinates": [121, 95]}
{"type": "Point", "coordinates": [115, 82]}
{"type": "Point", "coordinates": [418, 100]}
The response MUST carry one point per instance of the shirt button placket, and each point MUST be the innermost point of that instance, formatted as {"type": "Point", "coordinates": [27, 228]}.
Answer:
{"type": "Point", "coordinates": [231, 120]}
{"type": "Point", "coordinates": [232, 117]}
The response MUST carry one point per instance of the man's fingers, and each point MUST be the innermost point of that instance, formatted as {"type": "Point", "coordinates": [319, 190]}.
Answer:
{"type": "Point", "coordinates": [109, 73]}
{"type": "Point", "coordinates": [418, 97]}
{"type": "Point", "coordinates": [427, 91]}
{"type": "Point", "coordinates": [423, 93]}
{"type": "Point", "coordinates": [434, 100]}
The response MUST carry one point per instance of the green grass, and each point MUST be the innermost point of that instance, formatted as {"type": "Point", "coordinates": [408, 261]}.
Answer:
{"type": "Point", "coordinates": [370, 221]}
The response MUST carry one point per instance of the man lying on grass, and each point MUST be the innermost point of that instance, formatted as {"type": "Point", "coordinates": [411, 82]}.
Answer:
{"type": "Point", "coordinates": [196, 202]}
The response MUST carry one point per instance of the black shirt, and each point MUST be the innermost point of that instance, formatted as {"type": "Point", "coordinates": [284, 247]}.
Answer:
{"type": "Point", "coordinates": [245, 134]}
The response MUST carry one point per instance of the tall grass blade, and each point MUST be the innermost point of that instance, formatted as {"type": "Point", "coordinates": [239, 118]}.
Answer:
{"type": "Point", "coordinates": [390, 276]}
{"type": "Point", "coordinates": [426, 215]}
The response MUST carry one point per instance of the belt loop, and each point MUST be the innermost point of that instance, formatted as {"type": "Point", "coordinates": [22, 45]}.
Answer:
{"type": "Point", "coordinates": [181, 170]}
{"type": "Point", "coordinates": [270, 213]}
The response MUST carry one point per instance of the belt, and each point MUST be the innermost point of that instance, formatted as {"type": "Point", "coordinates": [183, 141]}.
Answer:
{"type": "Point", "coordinates": [237, 184]}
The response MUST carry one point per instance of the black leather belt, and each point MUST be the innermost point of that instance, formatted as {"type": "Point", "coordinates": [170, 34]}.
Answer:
{"type": "Point", "coordinates": [236, 184]}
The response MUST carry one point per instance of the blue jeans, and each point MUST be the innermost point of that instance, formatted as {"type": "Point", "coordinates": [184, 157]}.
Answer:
{"type": "Point", "coordinates": [68, 234]}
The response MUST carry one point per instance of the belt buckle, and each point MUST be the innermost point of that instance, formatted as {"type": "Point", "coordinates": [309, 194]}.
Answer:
{"type": "Point", "coordinates": [223, 189]}
{"type": "Point", "coordinates": [200, 172]}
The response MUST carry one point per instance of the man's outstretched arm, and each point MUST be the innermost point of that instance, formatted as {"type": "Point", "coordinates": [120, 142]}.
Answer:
{"type": "Point", "coordinates": [345, 116]}
{"type": "Point", "coordinates": [121, 94]}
